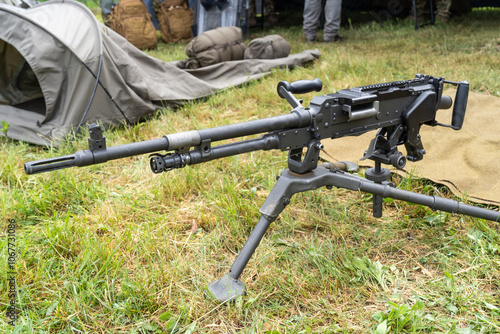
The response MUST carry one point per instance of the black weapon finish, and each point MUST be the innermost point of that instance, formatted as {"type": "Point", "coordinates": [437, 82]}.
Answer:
{"type": "Point", "coordinates": [396, 109]}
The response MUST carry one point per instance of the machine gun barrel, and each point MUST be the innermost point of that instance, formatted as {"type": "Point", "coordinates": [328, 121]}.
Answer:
{"type": "Point", "coordinates": [89, 157]}
{"type": "Point", "coordinates": [181, 141]}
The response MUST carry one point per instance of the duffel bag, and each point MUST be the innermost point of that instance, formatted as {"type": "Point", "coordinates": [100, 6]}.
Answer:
{"type": "Point", "coordinates": [215, 46]}
{"type": "Point", "coordinates": [268, 47]}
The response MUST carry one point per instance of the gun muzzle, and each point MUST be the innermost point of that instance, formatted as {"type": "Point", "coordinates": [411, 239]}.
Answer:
{"type": "Point", "coordinates": [80, 158]}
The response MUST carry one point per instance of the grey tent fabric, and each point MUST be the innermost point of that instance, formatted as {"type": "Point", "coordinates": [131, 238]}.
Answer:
{"type": "Point", "coordinates": [20, 3]}
{"type": "Point", "coordinates": [52, 54]}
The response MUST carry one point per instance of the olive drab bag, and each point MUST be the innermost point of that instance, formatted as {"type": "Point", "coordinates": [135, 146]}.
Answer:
{"type": "Point", "coordinates": [175, 20]}
{"type": "Point", "coordinates": [268, 47]}
{"type": "Point", "coordinates": [131, 19]}
{"type": "Point", "coordinates": [215, 46]}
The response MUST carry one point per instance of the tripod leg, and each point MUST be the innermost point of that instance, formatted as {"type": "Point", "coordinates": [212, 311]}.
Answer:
{"type": "Point", "coordinates": [377, 175]}
{"type": "Point", "coordinates": [230, 287]}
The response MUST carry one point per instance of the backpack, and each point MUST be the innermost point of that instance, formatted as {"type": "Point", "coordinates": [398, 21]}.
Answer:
{"type": "Point", "coordinates": [268, 47]}
{"type": "Point", "coordinates": [175, 20]}
{"type": "Point", "coordinates": [215, 46]}
{"type": "Point", "coordinates": [130, 18]}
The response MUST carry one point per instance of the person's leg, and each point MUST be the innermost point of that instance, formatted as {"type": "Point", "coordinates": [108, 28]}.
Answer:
{"type": "Point", "coordinates": [149, 5]}
{"type": "Point", "coordinates": [312, 12]}
{"type": "Point", "coordinates": [106, 11]}
{"type": "Point", "coordinates": [269, 11]}
{"type": "Point", "coordinates": [443, 10]}
{"type": "Point", "coordinates": [252, 20]}
{"type": "Point", "coordinates": [333, 9]}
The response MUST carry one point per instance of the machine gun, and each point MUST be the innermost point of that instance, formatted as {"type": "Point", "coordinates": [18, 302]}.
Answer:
{"type": "Point", "coordinates": [397, 109]}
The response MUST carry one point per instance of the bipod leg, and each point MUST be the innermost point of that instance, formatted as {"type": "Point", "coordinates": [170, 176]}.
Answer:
{"type": "Point", "coordinates": [229, 287]}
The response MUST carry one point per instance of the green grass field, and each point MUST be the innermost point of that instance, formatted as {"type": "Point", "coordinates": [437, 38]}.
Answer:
{"type": "Point", "coordinates": [113, 248]}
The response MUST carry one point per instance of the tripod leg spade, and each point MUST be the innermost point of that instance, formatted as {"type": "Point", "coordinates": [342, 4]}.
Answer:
{"type": "Point", "coordinates": [229, 287]}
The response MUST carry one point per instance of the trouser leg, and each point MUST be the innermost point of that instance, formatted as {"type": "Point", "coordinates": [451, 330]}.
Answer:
{"type": "Point", "coordinates": [268, 7]}
{"type": "Point", "coordinates": [312, 12]}
{"type": "Point", "coordinates": [251, 8]}
{"type": "Point", "coordinates": [333, 9]}
{"type": "Point", "coordinates": [106, 11]}
{"type": "Point", "coordinates": [443, 10]}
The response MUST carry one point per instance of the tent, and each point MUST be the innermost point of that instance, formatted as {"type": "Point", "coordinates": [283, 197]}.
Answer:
{"type": "Point", "coordinates": [60, 69]}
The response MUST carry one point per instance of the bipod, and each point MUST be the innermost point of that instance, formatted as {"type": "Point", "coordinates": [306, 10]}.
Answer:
{"type": "Point", "coordinates": [229, 287]}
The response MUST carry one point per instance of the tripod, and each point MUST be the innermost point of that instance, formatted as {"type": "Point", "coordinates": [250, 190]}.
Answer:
{"type": "Point", "coordinates": [289, 183]}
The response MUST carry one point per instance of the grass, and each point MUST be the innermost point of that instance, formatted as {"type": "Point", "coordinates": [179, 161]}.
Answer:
{"type": "Point", "coordinates": [114, 248]}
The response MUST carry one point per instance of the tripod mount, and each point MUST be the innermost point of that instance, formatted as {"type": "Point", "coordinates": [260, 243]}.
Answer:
{"type": "Point", "coordinates": [304, 175]}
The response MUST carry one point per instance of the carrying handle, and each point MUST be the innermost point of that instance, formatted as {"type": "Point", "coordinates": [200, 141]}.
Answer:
{"type": "Point", "coordinates": [286, 90]}
{"type": "Point", "coordinates": [300, 87]}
